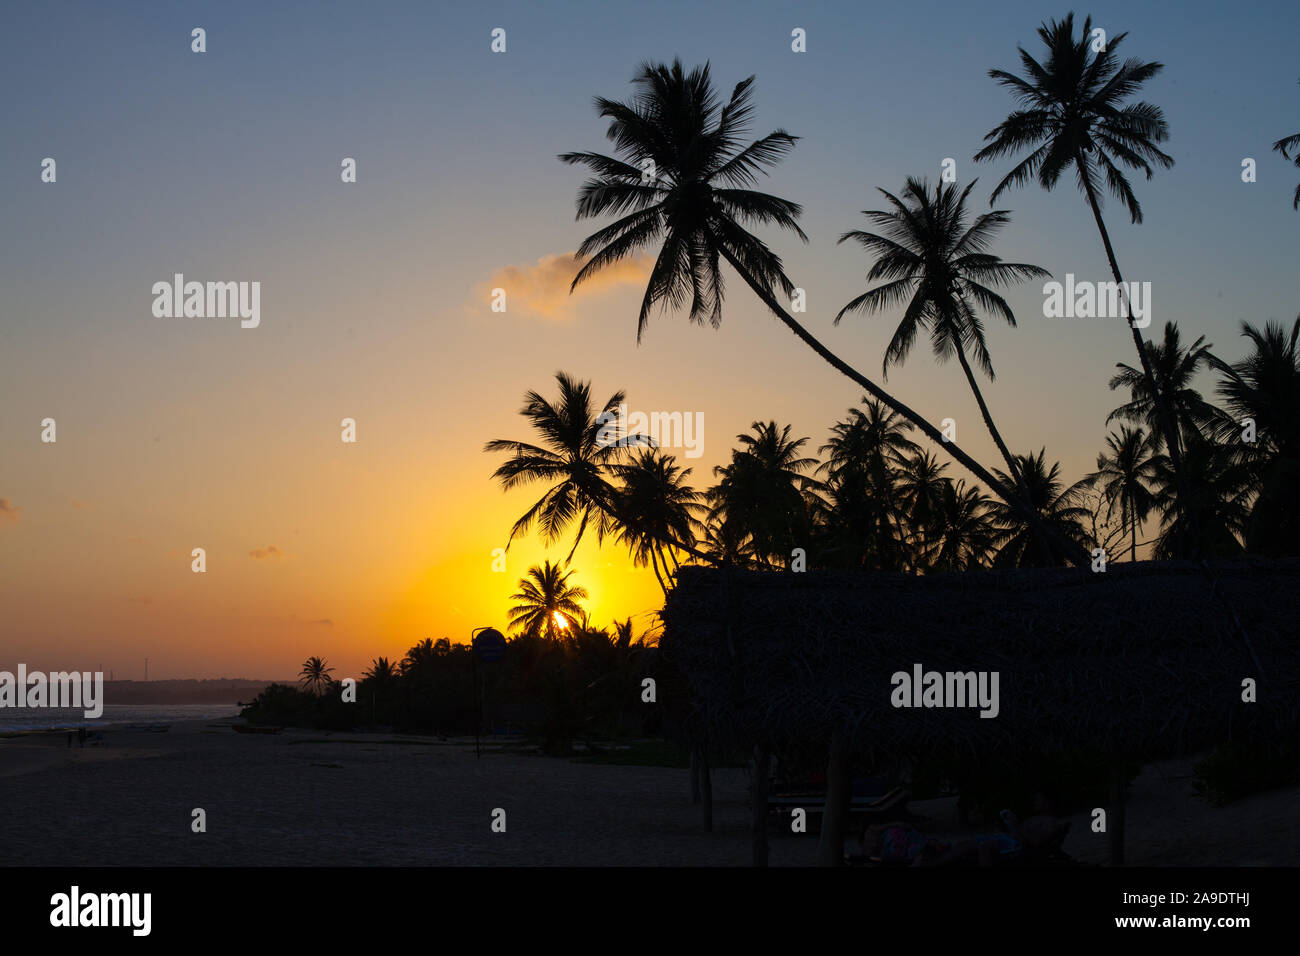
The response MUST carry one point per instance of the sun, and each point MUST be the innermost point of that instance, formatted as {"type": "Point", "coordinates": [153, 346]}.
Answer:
{"type": "Point", "coordinates": [560, 620]}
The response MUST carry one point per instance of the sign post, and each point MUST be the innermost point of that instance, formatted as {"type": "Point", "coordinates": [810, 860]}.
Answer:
{"type": "Point", "coordinates": [489, 646]}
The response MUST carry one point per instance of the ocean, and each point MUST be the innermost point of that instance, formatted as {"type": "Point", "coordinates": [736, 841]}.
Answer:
{"type": "Point", "coordinates": [48, 718]}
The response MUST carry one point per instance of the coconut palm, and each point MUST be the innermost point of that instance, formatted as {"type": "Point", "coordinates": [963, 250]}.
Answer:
{"type": "Point", "coordinates": [381, 671]}
{"type": "Point", "coordinates": [765, 491]}
{"type": "Point", "coordinates": [1125, 473]}
{"type": "Point", "coordinates": [933, 260]}
{"type": "Point", "coordinates": [962, 536]}
{"type": "Point", "coordinates": [548, 604]}
{"type": "Point", "coordinates": [579, 444]}
{"type": "Point", "coordinates": [1017, 543]}
{"type": "Point", "coordinates": [315, 675]}
{"type": "Point", "coordinates": [681, 178]}
{"type": "Point", "coordinates": [1284, 146]}
{"type": "Point", "coordinates": [1076, 115]}
{"type": "Point", "coordinates": [919, 484]}
{"type": "Point", "coordinates": [871, 443]}
{"type": "Point", "coordinates": [1264, 390]}
{"type": "Point", "coordinates": [421, 659]}
{"type": "Point", "coordinates": [861, 520]}
{"type": "Point", "coordinates": [1210, 519]}
{"type": "Point", "coordinates": [657, 507]}
{"type": "Point", "coordinates": [1175, 368]}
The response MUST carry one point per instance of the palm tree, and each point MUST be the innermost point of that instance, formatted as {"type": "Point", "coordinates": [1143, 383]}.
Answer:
{"type": "Point", "coordinates": [1018, 545]}
{"type": "Point", "coordinates": [575, 456]}
{"type": "Point", "coordinates": [381, 671]}
{"type": "Point", "coordinates": [421, 659]}
{"type": "Point", "coordinates": [547, 604]}
{"type": "Point", "coordinates": [861, 522]}
{"type": "Point", "coordinates": [1284, 146]}
{"type": "Point", "coordinates": [1209, 520]}
{"type": "Point", "coordinates": [1075, 115]}
{"type": "Point", "coordinates": [932, 260]}
{"type": "Point", "coordinates": [872, 443]}
{"type": "Point", "coordinates": [962, 536]}
{"type": "Point", "coordinates": [381, 676]}
{"type": "Point", "coordinates": [657, 507]}
{"type": "Point", "coordinates": [1264, 387]}
{"type": "Point", "coordinates": [1125, 473]}
{"type": "Point", "coordinates": [920, 484]}
{"type": "Point", "coordinates": [1175, 369]}
{"type": "Point", "coordinates": [682, 176]}
{"type": "Point", "coordinates": [315, 675]}
{"type": "Point", "coordinates": [764, 490]}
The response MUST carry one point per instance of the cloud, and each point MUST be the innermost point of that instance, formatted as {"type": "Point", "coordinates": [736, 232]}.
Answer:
{"type": "Point", "coordinates": [140, 600]}
{"type": "Point", "coordinates": [270, 551]}
{"type": "Point", "coordinates": [321, 622]}
{"type": "Point", "coordinates": [8, 510]}
{"type": "Point", "coordinates": [543, 288]}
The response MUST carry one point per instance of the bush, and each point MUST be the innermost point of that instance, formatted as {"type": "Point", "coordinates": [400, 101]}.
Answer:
{"type": "Point", "coordinates": [1239, 769]}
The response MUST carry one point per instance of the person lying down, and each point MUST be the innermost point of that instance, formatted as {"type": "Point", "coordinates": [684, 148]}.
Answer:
{"type": "Point", "coordinates": [901, 844]}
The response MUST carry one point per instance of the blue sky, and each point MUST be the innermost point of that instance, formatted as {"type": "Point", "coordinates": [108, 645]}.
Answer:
{"type": "Point", "coordinates": [225, 165]}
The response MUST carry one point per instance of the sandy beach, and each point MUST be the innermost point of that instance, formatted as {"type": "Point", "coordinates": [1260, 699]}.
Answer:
{"type": "Point", "coordinates": [307, 798]}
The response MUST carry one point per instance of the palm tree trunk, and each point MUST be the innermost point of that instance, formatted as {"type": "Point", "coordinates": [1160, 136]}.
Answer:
{"type": "Point", "coordinates": [1078, 556]}
{"type": "Point", "coordinates": [1162, 407]}
{"type": "Point", "coordinates": [1133, 548]}
{"type": "Point", "coordinates": [1012, 470]}
{"type": "Point", "coordinates": [654, 563]}
{"type": "Point", "coordinates": [1115, 815]}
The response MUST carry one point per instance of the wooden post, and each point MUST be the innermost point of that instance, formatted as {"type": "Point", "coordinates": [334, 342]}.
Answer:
{"type": "Point", "coordinates": [695, 774]}
{"type": "Point", "coordinates": [835, 812]}
{"type": "Point", "coordinates": [762, 766]}
{"type": "Point", "coordinates": [706, 792]}
{"type": "Point", "coordinates": [1115, 814]}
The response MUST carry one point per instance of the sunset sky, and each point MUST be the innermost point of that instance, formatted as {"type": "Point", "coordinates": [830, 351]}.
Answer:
{"type": "Point", "coordinates": [182, 433]}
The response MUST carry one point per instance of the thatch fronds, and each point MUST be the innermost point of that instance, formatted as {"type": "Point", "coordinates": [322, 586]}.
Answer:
{"type": "Point", "coordinates": [1141, 660]}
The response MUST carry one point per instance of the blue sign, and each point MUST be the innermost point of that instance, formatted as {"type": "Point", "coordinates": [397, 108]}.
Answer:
{"type": "Point", "coordinates": [489, 645]}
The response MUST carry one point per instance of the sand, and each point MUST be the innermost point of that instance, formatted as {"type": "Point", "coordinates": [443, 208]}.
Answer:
{"type": "Point", "coordinates": [303, 798]}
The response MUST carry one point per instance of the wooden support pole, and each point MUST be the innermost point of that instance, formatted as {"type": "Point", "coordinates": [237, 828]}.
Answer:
{"type": "Point", "coordinates": [762, 767]}
{"type": "Point", "coordinates": [695, 774]}
{"type": "Point", "coordinates": [836, 811]}
{"type": "Point", "coordinates": [706, 791]}
{"type": "Point", "coordinates": [1115, 814]}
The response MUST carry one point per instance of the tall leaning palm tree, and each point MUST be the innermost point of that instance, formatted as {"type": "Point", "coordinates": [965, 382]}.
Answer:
{"type": "Point", "coordinates": [682, 178]}
{"type": "Point", "coordinates": [931, 257]}
{"type": "Point", "coordinates": [1126, 472]}
{"type": "Point", "coordinates": [1284, 146]}
{"type": "Point", "coordinates": [573, 458]}
{"type": "Point", "coordinates": [1075, 115]}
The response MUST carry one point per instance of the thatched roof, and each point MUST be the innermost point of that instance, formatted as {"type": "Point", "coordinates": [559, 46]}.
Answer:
{"type": "Point", "coordinates": [1141, 660]}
